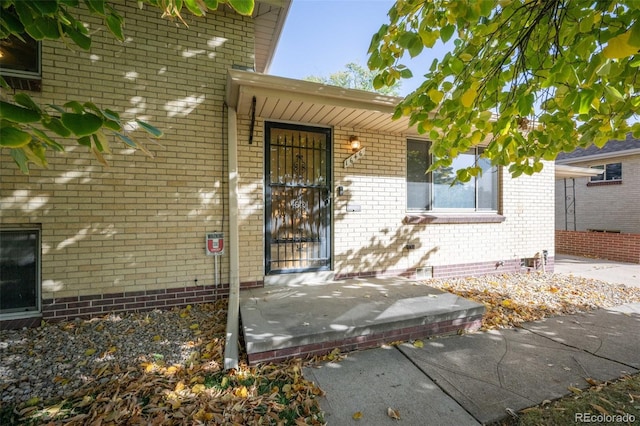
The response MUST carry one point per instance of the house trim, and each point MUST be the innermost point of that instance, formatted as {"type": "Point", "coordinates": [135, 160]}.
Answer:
{"type": "Point", "coordinates": [418, 219]}
{"type": "Point", "coordinates": [604, 156]}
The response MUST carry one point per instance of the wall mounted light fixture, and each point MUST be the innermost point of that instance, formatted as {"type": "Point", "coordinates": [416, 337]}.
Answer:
{"type": "Point", "coordinates": [355, 143]}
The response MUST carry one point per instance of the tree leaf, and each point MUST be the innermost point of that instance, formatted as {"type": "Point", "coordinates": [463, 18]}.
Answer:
{"type": "Point", "coordinates": [194, 7]}
{"type": "Point", "coordinates": [96, 6]}
{"type": "Point", "coordinates": [54, 124]}
{"type": "Point", "coordinates": [20, 159]}
{"type": "Point", "coordinates": [243, 7]}
{"type": "Point", "coordinates": [447, 32]}
{"type": "Point", "coordinates": [81, 124]}
{"type": "Point", "coordinates": [114, 23]}
{"type": "Point", "coordinates": [436, 95]}
{"type": "Point", "coordinates": [149, 128]}
{"type": "Point", "coordinates": [18, 114]}
{"type": "Point", "coordinates": [211, 4]}
{"type": "Point", "coordinates": [78, 37]}
{"type": "Point", "coordinates": [26, 101]}
{"type": "Point", "coordinates": [11, 137]}
{"type": "Point", "coordinates": [619, 47]}
{"type": "Point", "coordinates": [468, 97]}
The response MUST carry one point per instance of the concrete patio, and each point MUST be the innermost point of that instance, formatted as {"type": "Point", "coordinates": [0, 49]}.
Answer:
{"type": "Point", "coordinates": [280, 322]}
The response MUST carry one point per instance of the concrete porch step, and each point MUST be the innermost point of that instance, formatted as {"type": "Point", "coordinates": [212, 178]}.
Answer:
{"type": "Point", "coordinates": [280, 322]}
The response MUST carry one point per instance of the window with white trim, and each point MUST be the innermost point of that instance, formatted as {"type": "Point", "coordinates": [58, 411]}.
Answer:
{"type": "Point", "coordinates": [438, 191]}
{"type": "Point", "coordinates": [19, 271]}
{"type": "Point", "coordinates": [612, 171]}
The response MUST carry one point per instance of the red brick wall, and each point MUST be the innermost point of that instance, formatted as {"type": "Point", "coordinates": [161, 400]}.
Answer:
{"type": "Point", "coordinates": [600, 245]}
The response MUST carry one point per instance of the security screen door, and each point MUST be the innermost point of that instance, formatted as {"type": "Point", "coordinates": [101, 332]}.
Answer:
{"type": "Point", "coordinates": [297, 198]}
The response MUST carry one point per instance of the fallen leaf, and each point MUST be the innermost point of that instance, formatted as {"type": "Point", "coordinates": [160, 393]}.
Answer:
{"type": "Point", "coordinates": [418, 344]}
{"type": "Point", "coordinates": [241, 392]}
{"type": "Point", "coordinates": [600, 409]}
{"type": "Point", "coordinates": [357, 415]}
{"type": "Point", "coordinates": [32, 401]}
{"type": "Point", "coordinates": [333, 354]}
{"type": "Point", "coordinates": [89, 352]}
{"type": "Point", "coordinates": [197, 388]}
{"type": "Point", "coordinates": [156, 338]}
{"type": "Point", "coordinates": [194, 326]}
{"type": "Point", "coordinates": [507, 303]}
{"type": "Point", "coordinates": [574, 390]}
{"type": "Point", "coordinates": [394, 414]}
{"type": "Point", "coordinates": [591, 381]}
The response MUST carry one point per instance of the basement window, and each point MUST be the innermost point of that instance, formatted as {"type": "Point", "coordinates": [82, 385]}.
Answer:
{"type": "Point", "coordinates": [19, 271]}
{"type": "Point", "coordinates": [20, 62]}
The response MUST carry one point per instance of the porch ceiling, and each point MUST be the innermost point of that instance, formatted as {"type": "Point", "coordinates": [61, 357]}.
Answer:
{"type": "Point", "coordinates": [284, 99]}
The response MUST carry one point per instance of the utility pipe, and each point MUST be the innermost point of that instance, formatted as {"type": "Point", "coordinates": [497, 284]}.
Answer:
{"type": "Point", "coordinates": [233, 312]}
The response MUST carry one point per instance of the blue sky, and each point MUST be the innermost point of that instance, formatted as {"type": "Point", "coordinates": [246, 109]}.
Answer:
{"type": "Point", "coordinates": [321, 36]}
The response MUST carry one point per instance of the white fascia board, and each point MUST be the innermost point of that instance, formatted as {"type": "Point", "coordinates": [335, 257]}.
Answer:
{"type": "Point", "coordinates": [603, 156]}
{"type": "Point", "coordinates": [563, 171]}
{"type": "Point", "coordinates": [308, 91]}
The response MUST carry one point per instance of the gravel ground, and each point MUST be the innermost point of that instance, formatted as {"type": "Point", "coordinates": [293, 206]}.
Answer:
{"type": "Point", "coordinates": [56, 360]}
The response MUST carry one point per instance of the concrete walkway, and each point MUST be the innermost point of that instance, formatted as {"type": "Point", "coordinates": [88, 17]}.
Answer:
{"type": "Point", "coordinates": [477, 378]}
{"type": "Point", "coordinates": [600, 269]}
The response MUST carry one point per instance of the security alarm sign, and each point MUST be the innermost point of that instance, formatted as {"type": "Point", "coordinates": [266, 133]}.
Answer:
{"type": "Point", "coordinates": [215, 243]}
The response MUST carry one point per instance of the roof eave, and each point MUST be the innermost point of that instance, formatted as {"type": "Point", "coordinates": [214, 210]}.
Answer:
{"type": "Point", "coordinates": [601, 156]}
{"type": "Point", "coordinates": [563, 171]}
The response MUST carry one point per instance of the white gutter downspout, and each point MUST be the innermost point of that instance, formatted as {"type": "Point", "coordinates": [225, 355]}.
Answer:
{"type": "Point", "coordinates": [233, 312]}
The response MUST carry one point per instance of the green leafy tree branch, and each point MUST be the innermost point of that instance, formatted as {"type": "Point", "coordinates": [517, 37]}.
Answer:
{"type": "Point", "coordinates": [27, 129]}
{"type": "Point", "coordinates": [355, 76]}
{"type": "Point", "coordinates": [529, 79]}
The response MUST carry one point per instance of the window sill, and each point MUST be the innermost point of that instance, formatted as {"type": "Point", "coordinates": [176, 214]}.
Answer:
{"type": "Point", "coordinates": [435, 218]}
{"type": "Point", "coordinates": [605, 183]}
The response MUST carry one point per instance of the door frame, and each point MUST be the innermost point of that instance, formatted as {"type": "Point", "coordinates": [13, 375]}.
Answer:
{"type": "Point", "coordinates": [328, 232]}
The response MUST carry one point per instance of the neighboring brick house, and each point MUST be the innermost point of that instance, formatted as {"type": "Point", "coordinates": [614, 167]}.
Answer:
{"type": "Point", "coordinates": [265, 160]}
{"type": "Point", "coordinates": [599, 216]}
{"type": "Point", "coordinates": [607, 202]}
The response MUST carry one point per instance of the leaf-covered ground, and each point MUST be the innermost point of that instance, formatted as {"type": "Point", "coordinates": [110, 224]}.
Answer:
{"type": "Point", "coordinates": [149, 390]}
{"type": "Point", "coordinates": [165, 368]}
{"type": "Point", "coordinates": [512, 299]}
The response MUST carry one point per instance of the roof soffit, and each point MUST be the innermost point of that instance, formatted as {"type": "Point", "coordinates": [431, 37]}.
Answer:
{"type": "Point", "coordinates": [284, 99]}
{"type": "Point", "coordinates": [269, 17]}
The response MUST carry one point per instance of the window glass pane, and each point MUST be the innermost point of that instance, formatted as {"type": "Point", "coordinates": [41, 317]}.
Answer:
{"type": "Point", "coordinates": [18, 55]}
{"type": "Point", "coordinates": [597, 177]}
{"type": "Point", "coordinates": [418, 181]}
{"type": "Point", "coordinates": [18, 270]}
{"type": "Point", "coordinates": [487, 186]}
{"type": "Point", "coordinates": [613, 171]}
{"type": "Point", "coordinates": [460, 195]}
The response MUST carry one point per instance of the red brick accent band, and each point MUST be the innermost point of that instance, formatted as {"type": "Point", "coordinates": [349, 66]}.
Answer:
{"type": "Point", "coordinates": [68, 308]}
{"type": "Point", "coordinates": [459, 270]}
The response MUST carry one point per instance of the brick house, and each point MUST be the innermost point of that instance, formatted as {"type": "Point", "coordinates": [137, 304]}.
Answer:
{"type": "Point", "coordinates": [599, 215]}
{"type": "Point", "coordinates": [265, 161]}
